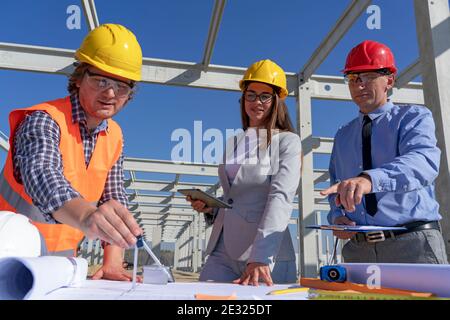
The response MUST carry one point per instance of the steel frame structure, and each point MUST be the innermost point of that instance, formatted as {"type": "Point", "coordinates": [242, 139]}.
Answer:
{"type": "Point", "coordinates": [165, 216]}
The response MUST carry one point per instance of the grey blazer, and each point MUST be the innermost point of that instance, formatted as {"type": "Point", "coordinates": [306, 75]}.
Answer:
{"type": "Point", "coordinates": [255, 229]}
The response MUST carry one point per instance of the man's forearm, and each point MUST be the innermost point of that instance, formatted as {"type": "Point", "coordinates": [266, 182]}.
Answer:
{"type": "Point", "coordinates": [74, 212]}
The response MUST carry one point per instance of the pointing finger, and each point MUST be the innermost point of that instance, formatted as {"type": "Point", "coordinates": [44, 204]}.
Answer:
{"type": "Point", "coordinates": [330, 190]}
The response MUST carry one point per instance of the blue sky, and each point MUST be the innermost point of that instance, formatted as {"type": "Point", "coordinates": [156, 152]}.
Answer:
{"type": "Point", "coordinates": [285, 31]}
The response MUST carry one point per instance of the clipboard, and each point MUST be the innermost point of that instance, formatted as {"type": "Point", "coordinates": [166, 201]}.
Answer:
{"type": "Point", "coordinates": [197, 194]}
{"type": "Point", "coordinates": [343, 227]}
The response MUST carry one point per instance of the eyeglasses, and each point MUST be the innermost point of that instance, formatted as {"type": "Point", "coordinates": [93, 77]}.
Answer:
{"type": "Point", "coordinates": [100, 82]}
{"type": "Point", "coordinates": [251, 96]}
{"type": "Point", "coordinates": [364, 78]}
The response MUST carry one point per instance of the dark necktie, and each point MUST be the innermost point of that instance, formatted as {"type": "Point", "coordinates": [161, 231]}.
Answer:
{"type": "Point", "coordinates": [370, 199]}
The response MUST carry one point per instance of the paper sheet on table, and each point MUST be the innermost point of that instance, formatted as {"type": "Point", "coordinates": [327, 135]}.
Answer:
{"type": "Point", "coordinates": [434, 278]}
{"type": "Point", "coordinates": [341, 227]}
{"type": "Point", "coordinates": [117, 290]}
{"type": "Point", "coordinates": [33, 278]}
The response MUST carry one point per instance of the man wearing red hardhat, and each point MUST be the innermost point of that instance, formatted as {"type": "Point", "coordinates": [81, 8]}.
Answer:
{"type": "Point", "coordinates": [383, 167]}
{"type": "Point", "coordinates": [64, 169]}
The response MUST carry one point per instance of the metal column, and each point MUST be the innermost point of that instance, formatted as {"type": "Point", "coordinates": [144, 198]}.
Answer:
{"type": "Point", "coordinates": [176, 254]}
{"type": "Point", "coordinates": [190, 247]}
{"type": "Point", "coordinates": [433, 33]}
{"type": "Point", "coordinates": [308, 263]}
{"type": "Point", "coordinates": [201, 237]}
{"type": "Point", "coordinates": [156, 241]}
{"type": "Point", "coordinates": [183, 251]}
{"type": "Point", "coordinates": [195, 242]}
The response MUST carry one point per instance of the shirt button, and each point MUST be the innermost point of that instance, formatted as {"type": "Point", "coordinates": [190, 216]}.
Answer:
{"type": "Point", "coordinates": [380, 188]}
{"type": "Point", "coordinates": [405, 187]}
{"type": "Point", "coordinates": [360, 167]}
{"type": "Point", "coordinates": [230, 201]}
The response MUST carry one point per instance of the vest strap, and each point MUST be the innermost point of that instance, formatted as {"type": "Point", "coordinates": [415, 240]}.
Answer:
{"type": "Point", "coordinates": [17, 202]}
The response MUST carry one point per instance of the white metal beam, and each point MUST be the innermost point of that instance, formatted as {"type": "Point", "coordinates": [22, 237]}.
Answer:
{"type": "Point", "coordinates": [157, 199]}
{"type": "Point", "coordinates": [341, 27]}
{"type": "Point", "coordinates": [54, 60]}
{"type": "Point", "coordinates": [407, 75]}
{"type": "Point", "coordinates": [160, 223]}
{"type": "Point", "coordinates": [321, 175]}
{"type": "Point", "coordinates": [4, 143]}
{"type": "Point", "coordinates": [164, 166]}
{"type": "Point", "coordinates": [148, 208]}
{"type": "Point", "coordinates": [90, 13]}
{"type": "Point", "coordinates": [171, 217]}
{"type": "Point", "coordinates": [194, 75]}
{"type": "Point", "coordinates": [334, 88]}
{"type": "Point", "coordinates": [321, 145]}
{"type": "Point", "coordinates": [167, 186]}
{"type": "Point", "coordinates": [166, 220]}
{"type": "Point", "coordinates": [169, 72]}
{"type": "Point", "coordinates": [214, 24]}
{"type": "Point", "coordinates": [36, 58]}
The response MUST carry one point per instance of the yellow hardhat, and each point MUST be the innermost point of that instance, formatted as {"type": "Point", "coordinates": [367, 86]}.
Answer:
{"type": "Point", "coordinates": [114, 49]}
{"type": "Point", "coordinates": [266, 71]}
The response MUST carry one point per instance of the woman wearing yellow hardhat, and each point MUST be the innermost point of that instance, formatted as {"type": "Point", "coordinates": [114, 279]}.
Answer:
{"type": "Point", "coordinates": [251, 241]}
{"type": "Point", "coordinates": [65, 171]}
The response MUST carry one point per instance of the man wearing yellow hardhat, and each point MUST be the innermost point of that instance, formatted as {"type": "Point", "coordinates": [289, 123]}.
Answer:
{"type": "Point", "coordinates": [64, 169]}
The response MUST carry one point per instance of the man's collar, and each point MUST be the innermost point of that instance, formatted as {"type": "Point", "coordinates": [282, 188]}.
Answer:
{"type": "Point", "coordinates": [377, 112]}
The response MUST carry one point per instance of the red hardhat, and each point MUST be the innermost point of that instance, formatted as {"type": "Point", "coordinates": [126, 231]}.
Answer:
{"type": "Point", "coordinates": [370, 55]}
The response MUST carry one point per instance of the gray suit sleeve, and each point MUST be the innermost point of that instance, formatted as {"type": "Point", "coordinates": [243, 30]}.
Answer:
{"type": "Point", "coordinates": [278, 209]}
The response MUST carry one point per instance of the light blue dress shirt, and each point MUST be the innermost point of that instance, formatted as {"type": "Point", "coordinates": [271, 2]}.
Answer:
{"type": "Point", "coordinates": [405, 159]}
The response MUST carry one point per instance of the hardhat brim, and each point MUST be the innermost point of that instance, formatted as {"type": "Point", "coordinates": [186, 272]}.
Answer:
{"type": "Point", "coordinates": [367, 68]}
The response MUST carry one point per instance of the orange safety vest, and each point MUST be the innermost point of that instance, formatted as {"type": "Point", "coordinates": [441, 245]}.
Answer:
{"type": "Point", "coordinates": [62, 239]}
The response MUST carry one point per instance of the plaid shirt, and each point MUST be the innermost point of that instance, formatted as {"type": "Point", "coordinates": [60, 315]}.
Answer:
{"type": "Point", "coordinates": [38, 163]}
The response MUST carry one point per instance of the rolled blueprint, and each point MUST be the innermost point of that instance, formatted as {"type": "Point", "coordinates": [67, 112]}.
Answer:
{"type": "Point", "coordinates": [432, 278]}
{"type": "Point", "coordinates": [33, 278]}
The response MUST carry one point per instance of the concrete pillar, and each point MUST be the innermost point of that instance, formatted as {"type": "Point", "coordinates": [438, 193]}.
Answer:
{"type": "Point", "coordinates": [200, 238]}
{"type": "Point", "coordinates": [90, 252]}
{"type": "Point", "coordinates": [185, 248]}
{"type": "Point", "coordinates": [156, 241]}
{"type": "Point", "coordinates": [192, 250]}
{"type": "Point", "coordinates": [208, 231]}
{"type": "Point", "coordinates": [308, 263]}
{"type": "Point", "coordinates": [433, 34]}
{"type": "Point", "coordinates": [97, 248]}
{"type": "Point", "coordinates": [176, 254]}
{"type": "Point", "coordinates": [202, 242]}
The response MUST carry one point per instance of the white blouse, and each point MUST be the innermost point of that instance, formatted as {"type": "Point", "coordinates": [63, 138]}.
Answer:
{"type": "Point", "coordinates": [244, 152]}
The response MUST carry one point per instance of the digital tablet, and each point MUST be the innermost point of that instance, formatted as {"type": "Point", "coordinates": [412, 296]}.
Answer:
{"type": "Point", "coordinates": [197, 194]}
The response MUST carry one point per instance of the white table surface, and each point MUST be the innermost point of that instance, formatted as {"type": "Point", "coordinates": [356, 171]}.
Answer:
{"type": "Point", "coordinates": [116, 290]}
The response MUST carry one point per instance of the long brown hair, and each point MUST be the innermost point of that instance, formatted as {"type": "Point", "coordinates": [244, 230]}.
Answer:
{"type": "Point", "coordinates": [278, 117]}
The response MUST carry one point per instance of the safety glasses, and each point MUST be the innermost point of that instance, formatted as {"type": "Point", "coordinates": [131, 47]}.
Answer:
{"type": "Point", "coordinates": [251, 96]}
{"type": "Point", "coordinates": [364, 78]}
{"type": "Point", "coordinates": [100, 82]}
